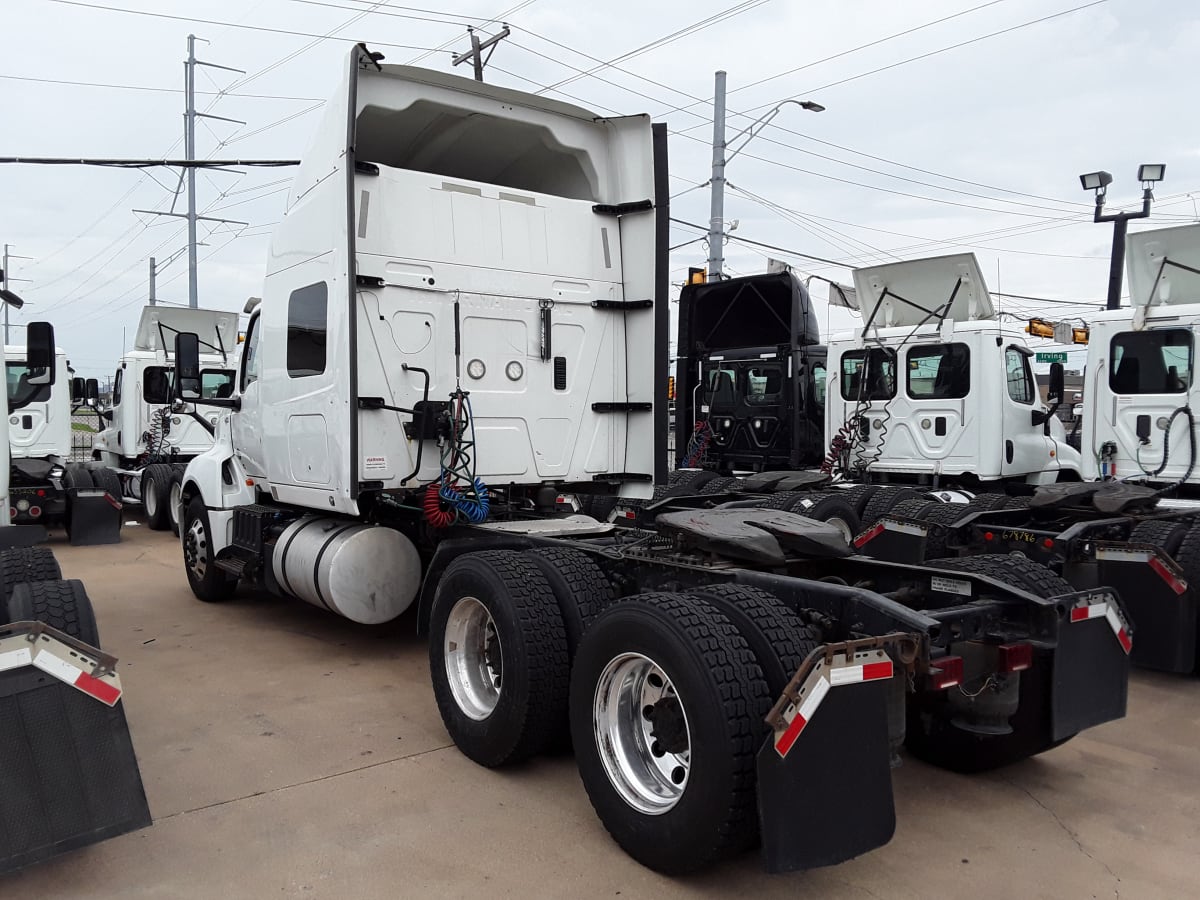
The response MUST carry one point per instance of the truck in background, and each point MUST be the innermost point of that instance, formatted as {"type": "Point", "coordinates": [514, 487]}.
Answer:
{"type": "Point", "coordinates": [145, 444]}
{"type": "Point", "coordinates": [464, 317]}
{"type": "Point", "coordinates": [750, 377]}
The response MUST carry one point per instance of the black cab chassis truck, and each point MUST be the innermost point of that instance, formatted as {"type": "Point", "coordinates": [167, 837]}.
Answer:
{"type": "Point", "coordinates": [465, 317]}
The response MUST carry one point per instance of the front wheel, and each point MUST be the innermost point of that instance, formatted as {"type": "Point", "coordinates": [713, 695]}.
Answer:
{"type": "Point", "coordinates": [207, 582]}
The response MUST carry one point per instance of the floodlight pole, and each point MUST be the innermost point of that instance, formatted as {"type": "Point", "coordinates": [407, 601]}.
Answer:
{"type": "Point", "coordinates": [1120, 220]}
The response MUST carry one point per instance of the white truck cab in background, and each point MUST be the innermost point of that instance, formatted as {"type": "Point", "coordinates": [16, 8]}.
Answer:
{"type": "Point", "coordinates": [941, 389]}
{"type": "Point", "coordinates": [1141, 392]}
{"type": "Point", "coordinates": [144, 441]}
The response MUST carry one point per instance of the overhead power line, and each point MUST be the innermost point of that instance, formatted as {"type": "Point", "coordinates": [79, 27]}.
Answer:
{"type": "Point", "coordinates": [221, 24]}
{"type": "Point", "coordinates": [152, 89]}
{"type": "Point", "coordinates": [147, 163]}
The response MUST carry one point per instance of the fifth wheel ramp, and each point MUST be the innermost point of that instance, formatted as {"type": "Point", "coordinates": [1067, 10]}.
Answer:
{"type": "Point", "coordinates": [68, 773]}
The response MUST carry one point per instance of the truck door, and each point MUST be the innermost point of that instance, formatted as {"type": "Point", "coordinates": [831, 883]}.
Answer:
{"type": "Point", "coordinates": [247, 422]}
{"type": "Point", "coordinates": [1150, 378]}
{"type": "Point", "coordinates": [1027, 449]}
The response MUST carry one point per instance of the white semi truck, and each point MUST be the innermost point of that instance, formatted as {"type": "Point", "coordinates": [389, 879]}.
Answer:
{"type": "Point", "coordinates": [145, 442]}
{"type": "Point", "coordinates": [465, 317]}
{"type": "Point", "coordinates": [39, 438]}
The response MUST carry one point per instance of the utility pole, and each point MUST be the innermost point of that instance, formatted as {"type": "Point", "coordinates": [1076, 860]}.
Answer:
{"type": "Point", "coordinates": [716, 218]}
{"type": "Point", "coordinates": [6, 280]}
{"type": "Point", "coordinates": [721, 156]}
{"type": "Point", "coordinates": [153, 299]}
{"type": "Point", "coordinates": [189, 154]}
{"type": "Point", "coordinates": [475, 54]}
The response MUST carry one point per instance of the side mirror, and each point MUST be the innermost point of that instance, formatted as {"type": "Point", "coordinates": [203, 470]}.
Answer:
{"type": "Point", "coordinates": [39, 352]}
{"type": "Point", "coordinates": [187, 366]}
{"type": "Point", "coordinates": [77, 390]}
{"type": "Point", "coordinates": [1057, 387]}
{"type": "Point", "coordinates": [91, 390]}
{"type": "Point", "coordinates": [156, 386]}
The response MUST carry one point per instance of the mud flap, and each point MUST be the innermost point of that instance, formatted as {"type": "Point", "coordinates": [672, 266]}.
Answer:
{"type": "Point", "coordinates": [824, 775]}
{"type": "Point", "coordinates": [1091, 663]}
{"type": "Point", "coordinates": [94, 517]}
{"type": "Point", "coordinates": [68, 774]}
{"type": "Point", "coordinates": [1155, 593]}
{"type": "Point", "coordinates": [893, 540]}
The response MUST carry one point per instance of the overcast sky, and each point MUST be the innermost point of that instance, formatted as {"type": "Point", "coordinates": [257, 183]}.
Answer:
{"type": "Point", "coordinates": [924, 145]}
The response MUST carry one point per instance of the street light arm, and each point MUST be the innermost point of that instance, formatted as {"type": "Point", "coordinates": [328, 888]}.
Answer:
{"type": "Point", "coordinates": [752, 130]}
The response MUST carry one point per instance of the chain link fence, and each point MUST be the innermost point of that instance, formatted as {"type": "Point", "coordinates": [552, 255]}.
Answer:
{"type": "Point", "coordinates": [84, 426]}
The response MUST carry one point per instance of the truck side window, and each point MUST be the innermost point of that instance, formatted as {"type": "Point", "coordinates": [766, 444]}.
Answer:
{"type": "Point", "coordinates": [1018, 375]}
{"type": "Point", "coordinates": [1151, 362]}
{"type": "Point", "coordinates": [939, 372]}
{"type": "Point", "coordinates": [250, 356]}
{"type": "Point", "coordinates": [116, 390]}
{"type": "Point", "coordinates": [307, 326]}
{"type": "Point", "coordinates": [869, 374]}
{"type": "Point", "coordinates": [818, 375]}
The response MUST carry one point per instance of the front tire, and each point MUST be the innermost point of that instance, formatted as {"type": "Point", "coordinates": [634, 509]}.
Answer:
{"type": "Point", "coordinates": [207, 582]}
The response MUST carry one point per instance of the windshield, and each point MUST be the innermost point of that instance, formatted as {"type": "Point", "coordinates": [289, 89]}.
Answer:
{"type": "Point", "coordinates": [20, 391]}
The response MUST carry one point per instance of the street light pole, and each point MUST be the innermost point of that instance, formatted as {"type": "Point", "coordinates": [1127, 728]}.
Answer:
{"type": "Point", "coordinates": [716, 221]}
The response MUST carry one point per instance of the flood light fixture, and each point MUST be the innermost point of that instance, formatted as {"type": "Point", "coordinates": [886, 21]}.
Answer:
{"type": "Point", "coordinates": [1148, 173]}
{"type": "Point", "coordinates": [1095, 181]}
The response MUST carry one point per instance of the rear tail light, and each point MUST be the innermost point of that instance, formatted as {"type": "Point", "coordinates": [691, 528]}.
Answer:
{"type": "Point", "coordinates": [12, 512]}
{"type": "Point", "coordinates": [35, 511]}
{"type": "Point", "coordinates": [1014, 658]}
{"type": "Point", "coordinates": [946, 672]}
{"type": "Point", "coordinates": [41, 492]}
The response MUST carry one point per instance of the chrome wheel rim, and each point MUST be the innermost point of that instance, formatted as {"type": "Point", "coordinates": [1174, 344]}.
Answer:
{"type": "Point", "coordinates": [176, 490]}
{"type": "Point", "coordinates": [642, 733]}
{"type": "Point", "coordinates": [195, 549]}
{"type": "Point", "coordinates": [473, 658]}
{"type": "Point", "coordinates": [841, 525]}
{"type": "Point", "coordinates": [149, 496]}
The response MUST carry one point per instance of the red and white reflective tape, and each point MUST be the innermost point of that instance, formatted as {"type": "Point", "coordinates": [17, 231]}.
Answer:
{"type": "Point", "coordinates": [1100, 605]}
{"type": "Point", "coordinates": [869, 665]}
{"type": "Point", "coordinates": [58, 660]}
{"type": "Point", "coordinates": [1119, 554]}
{"type": "Point", "coordinates": [888, 525]}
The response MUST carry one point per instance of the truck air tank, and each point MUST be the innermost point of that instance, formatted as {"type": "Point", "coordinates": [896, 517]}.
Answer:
{"type": "Point", "coordinates": [365, 573]}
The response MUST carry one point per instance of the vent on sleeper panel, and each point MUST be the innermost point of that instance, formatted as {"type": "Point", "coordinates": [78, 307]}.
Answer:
{"type": "Point", "coordinates": [560, 373]}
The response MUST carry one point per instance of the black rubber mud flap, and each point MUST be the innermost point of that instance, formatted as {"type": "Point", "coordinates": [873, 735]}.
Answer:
{"type": "Point", "coordinates": [893, 539]}
{"type": "Point", "coordinates": [95, 518]}
{"type": "Point", "coordinates": [829, 799]}
{"type": "Point", "coordinates": [1091, 663]}
{"type": "Point", "coordinates": [69, 776]}
{"type": "Point", "coordinates": [1155, 593]}
{"type": "Point", "coordinates": [22, 536]}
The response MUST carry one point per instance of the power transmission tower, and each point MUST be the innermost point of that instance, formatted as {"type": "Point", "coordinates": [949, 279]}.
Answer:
{"type": "Point", "coordinates": [189, 152]}
{"type": "Point", "coordinates": [475, 54]}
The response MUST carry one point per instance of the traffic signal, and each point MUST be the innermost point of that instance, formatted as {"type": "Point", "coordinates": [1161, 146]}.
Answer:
{"type": "Point", "coordinates": [697, 276]}
{"type": "Point", "coordinates": [670, 387]}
